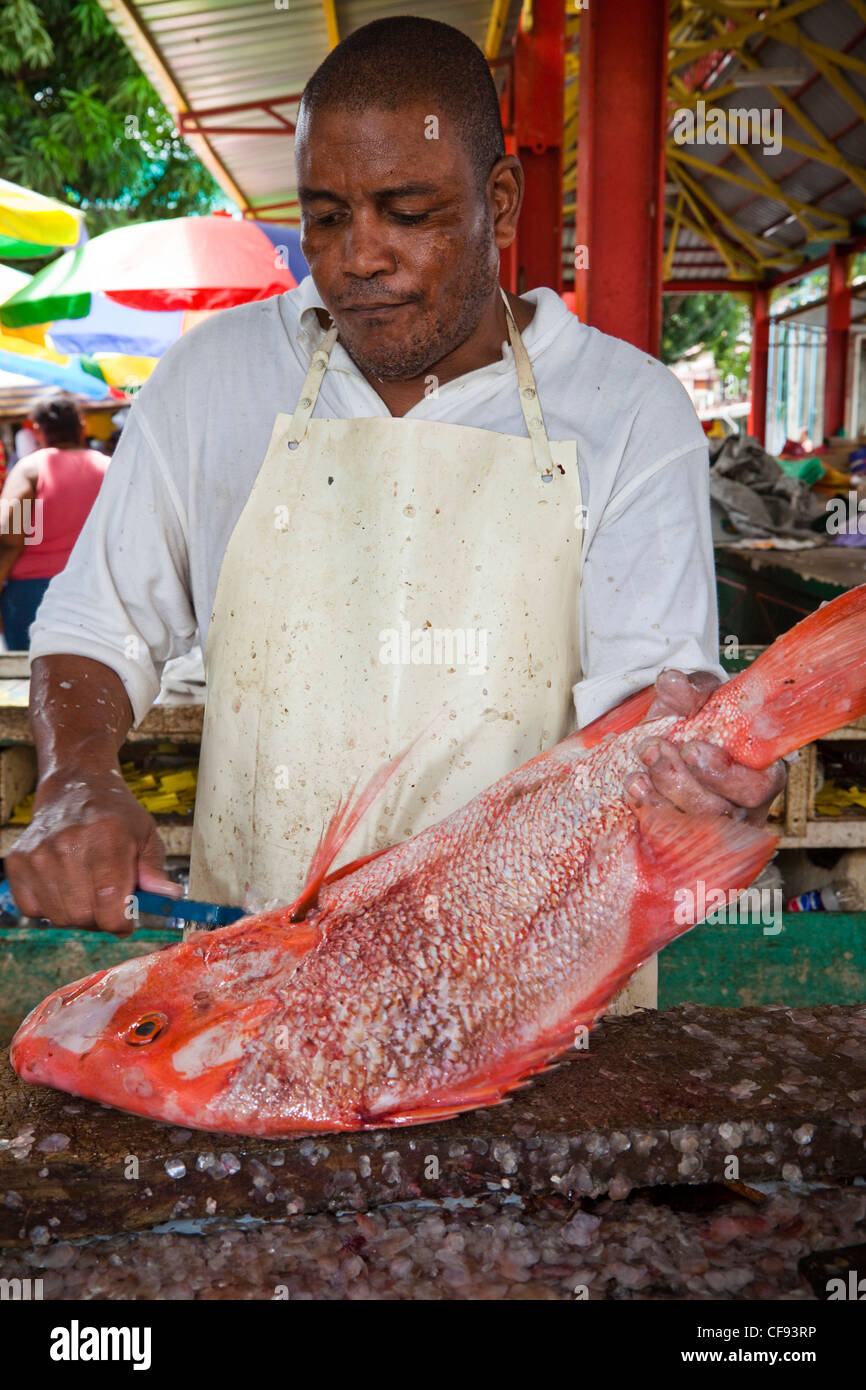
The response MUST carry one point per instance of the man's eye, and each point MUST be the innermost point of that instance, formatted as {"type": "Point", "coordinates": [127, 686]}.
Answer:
{"type": "Point", "coordinates": [327, 221]}
{"type": "Point", "coordinates": [408, 219]}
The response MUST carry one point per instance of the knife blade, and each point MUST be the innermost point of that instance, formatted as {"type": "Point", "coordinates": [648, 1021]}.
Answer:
{"type": "Point", "coordinates": [187, 909]}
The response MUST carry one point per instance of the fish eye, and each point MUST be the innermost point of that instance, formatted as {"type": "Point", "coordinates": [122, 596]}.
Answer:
{"type": "Point", "coordinates": [145, 1029]}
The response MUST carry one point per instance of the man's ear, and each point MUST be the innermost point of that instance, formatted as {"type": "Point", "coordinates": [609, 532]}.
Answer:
{"type": "Point", "coordinates": [505, 187]}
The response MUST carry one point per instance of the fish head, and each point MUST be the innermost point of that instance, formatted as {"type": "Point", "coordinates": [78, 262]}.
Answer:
{"type": "Point", "coordinates": [162, 1035]}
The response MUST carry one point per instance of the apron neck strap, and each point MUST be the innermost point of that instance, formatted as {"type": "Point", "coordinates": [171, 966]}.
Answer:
{"type": "Point", "coordinates": [312, 382]}
{"type": "Point", "coordinates": [527, 391]}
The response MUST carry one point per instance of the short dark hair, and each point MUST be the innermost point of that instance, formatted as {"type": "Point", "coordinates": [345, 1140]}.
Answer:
{"type": "Point", "coordinates": [392, 62]}
{"type": "Point", "coordinates": [59, 418]}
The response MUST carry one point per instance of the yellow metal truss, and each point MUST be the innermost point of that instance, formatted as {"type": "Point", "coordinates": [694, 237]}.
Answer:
{"type": "Point", "coordinates": [764, 188]}
{"type": "Point", "coordinates": [754, 246]}
{"type": "Point", "coordinates": [667, 264]}
{"type": "Point", "coordinates": [699, 28]}
{"type": "Point", "coordinates": [687, 51]}
{"type": "Point", "coordinates": [496, 28]}
{"type": "Point", "coordinates": [823, 150]}
{"type": "Point", "coordinates": [331, 23]}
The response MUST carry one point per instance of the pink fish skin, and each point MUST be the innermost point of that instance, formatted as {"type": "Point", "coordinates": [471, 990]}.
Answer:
{"type": "Point", "coordinates": [436, 976]}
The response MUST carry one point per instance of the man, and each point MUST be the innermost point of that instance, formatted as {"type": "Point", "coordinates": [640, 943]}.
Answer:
{"type": "Point", "coordinates": [474, 514]}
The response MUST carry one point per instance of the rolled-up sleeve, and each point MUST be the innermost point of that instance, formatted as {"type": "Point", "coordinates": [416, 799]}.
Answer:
{"type": "Point", "coordinates": [124, 596]}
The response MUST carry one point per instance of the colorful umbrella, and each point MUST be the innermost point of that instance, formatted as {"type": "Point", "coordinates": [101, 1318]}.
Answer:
{"type": "Point", "coordinates": [208, 262]}
{"type": "Point", "coordinates": [38, 372]}
{"type": "Point", "coordinates": [11, 281]}
{"type": "Point", "coordinates": [88, 375]}
{"type": "Point", "coordinates": [17, 391]}
{"type": "Point", "coordinates": [126, 344]}
{"type": "Point", "coordinates": [290, 238]}
{"type": "Point", "coordinates": [111, 327]}
{"type": "Point", "coordinates": [33, 225]}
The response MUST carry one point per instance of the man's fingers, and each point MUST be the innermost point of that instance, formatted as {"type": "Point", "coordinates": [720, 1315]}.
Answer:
{"type": "Point", "coordinates": [18, 873]}
{"type": "Point", "coordinates": [681, 694]}
{"type": "Point", "coordinates": [113, 879]}
{"type": "Point", "coordinates": [23, 896]}
{"type": "Point", "coordinates": [84, 877]}
{"type": "Point", "coordinates": [641, 792]}
{"type": "Point", "coordinates": [67, 865]}
{"type": "Point", "coordinates": [678, 784]}
{"type": "Point", "coordinates": [62, 881]}
{"type": "Point", "coordinates": [744, 786]}
{"type": "Point", "coordinates": [86, 849]}
{"type": "Point", "coordinates": [150, 874]}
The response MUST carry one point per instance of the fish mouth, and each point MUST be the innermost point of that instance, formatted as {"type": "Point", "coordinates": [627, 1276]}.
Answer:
{"type": "Point", "coordinates": [30, 1034]}
{"type": "Point", "coordinates": [40, 1062]}
{"type": "Point", "coordinates": [180, 1073]}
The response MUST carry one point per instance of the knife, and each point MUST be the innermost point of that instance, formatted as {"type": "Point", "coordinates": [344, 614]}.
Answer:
{"type": "Point", "coordinates": [208, 914]}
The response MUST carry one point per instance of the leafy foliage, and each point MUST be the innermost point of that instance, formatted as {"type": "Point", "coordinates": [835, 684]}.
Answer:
{"type": "Point", "coordinates": [80, 122]}
{"type": "Point", "coordinates": [710, 321]}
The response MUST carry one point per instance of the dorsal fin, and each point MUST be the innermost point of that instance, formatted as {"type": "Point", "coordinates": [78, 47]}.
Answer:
{"type": "Point", "coordinates": [335, 834]}
{"type": "Point", "coordinates": [346, 869]}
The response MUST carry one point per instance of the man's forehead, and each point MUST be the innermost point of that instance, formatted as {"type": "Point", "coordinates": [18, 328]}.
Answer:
{"type": "Point", "coordinates": [381, 139]}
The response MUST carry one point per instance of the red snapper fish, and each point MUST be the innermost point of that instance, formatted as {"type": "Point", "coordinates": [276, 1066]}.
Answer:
{"type": "Point", "coordinates": [436, 975]}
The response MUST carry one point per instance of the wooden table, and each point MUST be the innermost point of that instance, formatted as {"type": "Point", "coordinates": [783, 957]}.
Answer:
{"type": "Point", "coordinates": [764, 592]}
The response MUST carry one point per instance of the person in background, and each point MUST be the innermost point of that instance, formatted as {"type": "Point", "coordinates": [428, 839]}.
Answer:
{"type": "Point", "coordinates": [44, 503]}
{"type": "Point", "coordinates": [109, 445]}
{"type": "Point", "coordinates": [26, 441]}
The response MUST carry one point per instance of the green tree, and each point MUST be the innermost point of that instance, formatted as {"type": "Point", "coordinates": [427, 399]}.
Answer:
{"type": "Point", "coordinates": [710, 321]}
{"type": "Point", "coordinates": [79, 121]}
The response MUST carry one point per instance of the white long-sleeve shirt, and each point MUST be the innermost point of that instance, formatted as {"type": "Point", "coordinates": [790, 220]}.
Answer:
{"type": "Point", "coordinates": [140, 583]}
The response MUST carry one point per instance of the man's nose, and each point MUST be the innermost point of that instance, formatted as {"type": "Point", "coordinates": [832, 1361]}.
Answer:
{"type": "Point", "coordinates": [367, 250]}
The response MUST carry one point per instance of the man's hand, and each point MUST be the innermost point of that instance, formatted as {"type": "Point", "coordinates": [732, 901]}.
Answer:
{"type": "Point", "coordinates": [698, 776]}
{"type": "Point", "coordinates": [87, 848]}
{"type": "Point", "coordinates": [89, 844]}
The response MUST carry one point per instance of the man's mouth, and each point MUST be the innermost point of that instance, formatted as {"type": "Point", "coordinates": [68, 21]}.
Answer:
{"type": "Point", "coordinates": [377, 309]}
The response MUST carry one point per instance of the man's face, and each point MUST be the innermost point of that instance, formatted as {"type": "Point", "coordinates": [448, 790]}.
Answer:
{"type": "Point", "coordinates": [397, 235]}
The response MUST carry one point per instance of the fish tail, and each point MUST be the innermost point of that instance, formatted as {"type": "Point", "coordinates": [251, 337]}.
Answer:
{"type": "Point", "coordinates": [686, 862]}
{"type": "Point", "coordinates": [809, 682]}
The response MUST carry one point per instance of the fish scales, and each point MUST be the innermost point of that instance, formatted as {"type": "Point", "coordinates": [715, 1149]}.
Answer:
{"type": "Point", "coordinates": [438, 974]}
{"type": "Point", "coordinates": [514, 921]}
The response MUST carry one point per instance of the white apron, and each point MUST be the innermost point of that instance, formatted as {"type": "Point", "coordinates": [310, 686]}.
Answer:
{"type": "Point", "coordinates": [387, 576]}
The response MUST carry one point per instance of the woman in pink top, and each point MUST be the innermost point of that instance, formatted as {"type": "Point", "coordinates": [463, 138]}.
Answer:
{"type": "Point", "coordinates": [45, 502]}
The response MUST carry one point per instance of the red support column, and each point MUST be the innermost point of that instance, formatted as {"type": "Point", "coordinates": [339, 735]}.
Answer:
{"type": "Point", "coordinates": [759, 363]}
{"type": "Point", "coordinates": [620, 167]}
{"type": "Point", "coordinates": [539, 86]}
{"type": "Point", "coordinates": [838, 331]}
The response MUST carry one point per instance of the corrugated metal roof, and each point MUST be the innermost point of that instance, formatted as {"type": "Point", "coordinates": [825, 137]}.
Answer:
{"type": "Point", "coordinates": [759, 210]}
{"type": "Point", "coordinates": [207, 54]}
{"type": "Point", "coordinates": [747, 212]}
